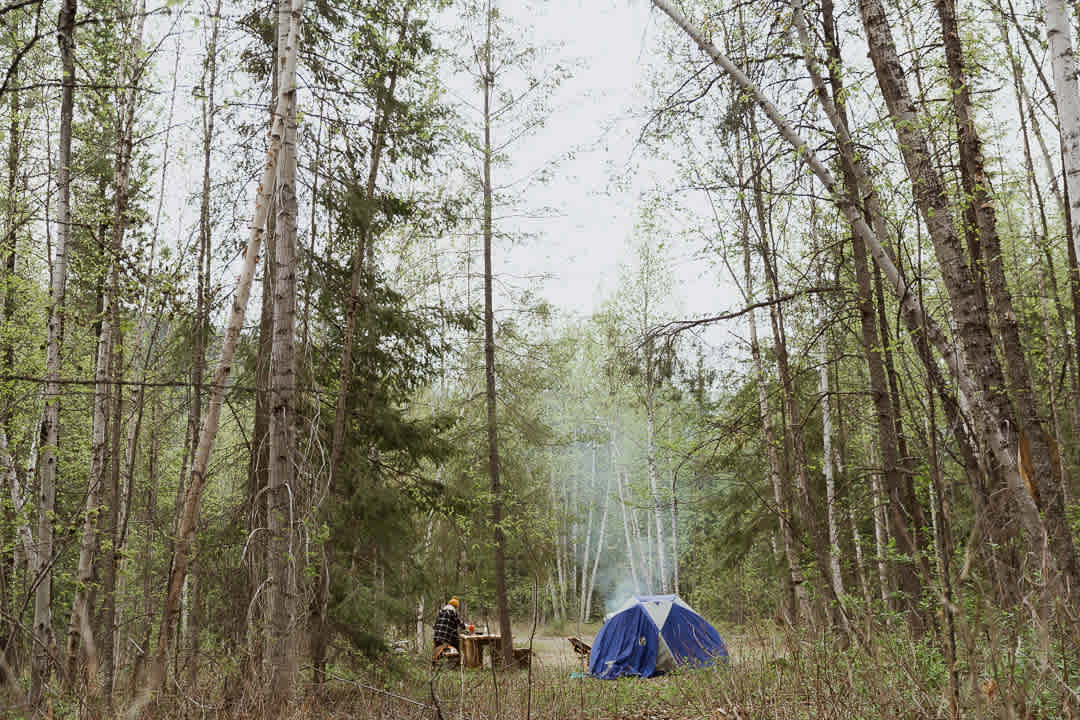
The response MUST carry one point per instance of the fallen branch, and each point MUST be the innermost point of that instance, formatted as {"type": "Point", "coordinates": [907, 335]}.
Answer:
{"type": "Point", "coordinates": [374, 689]}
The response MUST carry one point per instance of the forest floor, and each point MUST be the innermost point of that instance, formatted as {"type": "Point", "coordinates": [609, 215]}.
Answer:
{"type": "Point", "coordinates": [554, 690]}
{"type": "Point", "coordinates": [551, 647]}
{"type": "Point", "coordinates": [772, 673]}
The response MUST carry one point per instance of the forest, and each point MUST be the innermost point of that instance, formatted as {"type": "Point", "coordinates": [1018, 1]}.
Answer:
{"type": "Point", "coordinates": [297, 344]}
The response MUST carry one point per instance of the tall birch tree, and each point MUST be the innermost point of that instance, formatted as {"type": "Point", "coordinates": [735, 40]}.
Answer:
{"type": "Point", "coordinates": [50, 422]}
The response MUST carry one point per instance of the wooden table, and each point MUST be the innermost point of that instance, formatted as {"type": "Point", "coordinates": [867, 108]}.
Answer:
{"type": "Point", "coordinates": [472, 649]}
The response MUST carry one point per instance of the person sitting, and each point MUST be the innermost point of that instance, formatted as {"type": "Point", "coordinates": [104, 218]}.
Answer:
{"type": "Point", "coordinates": [447, 625]}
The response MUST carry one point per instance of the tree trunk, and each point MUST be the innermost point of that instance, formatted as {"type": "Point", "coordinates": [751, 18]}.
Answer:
{"type": "Point", "coordinates": [23, 547]}
{"type": "Point", "coordinates": [650, 447]}
{"type": "Point", "coordinates": [1060, 42]}
{"type": "Point", "coordinates": [258, 479]}
{"type": "Point", "coordinates": [971, 317]}
{"type": "Point", "coordinates": [599, 548]}
{"type": "Point", "coordinates": [116, 509]}
{"type": "Point", "coordinates": [583, 593]}
{"type": "Point", "coordinates": [626, 525]}
{"type": "Point", "coordinates": [798, 600]}
{"type": "Point", "coordinates": [1074, 292]}
{"type": "Point", "coordinates": [921, 327]}
{"type": "Point", "coordinates": [283, 489]}
{"type": "Point", "coordinates": [901, 502]}
{"type": "Point", "coordinates": [860, 566]}
{"type": "Point", "coordinates": [572, 538]}
{"type": "Point", "coordinates": [1026, 113]}
{"type": "Point", "coordinates": [50, 421]}
{"type": "Point", "coordinates": [132, 72]}
{"type": "Point", "coordinates": [421, 623]}
{"type": "Point", "coordinates": [912, 308]}
{"type": "Point", "coordinates": [1048, 472]}
{"type": "Point", "coordinates": [560, 550]}
{"type": "Point", "coordinates": [79, 629]}
{"type": "Point", "coordinates": [9, 629]}
{"type": "Point", "coordinates": [1051, 375]}
{"type": "Point", "coordinates": [108, 370]}
{"type": "Point", "coordinates": [1067, 95]}
{"type": "Point", "coordinates": [259, 464]}
{"type": "Point", "coordinates": [488, 79]}
{"type": "Point", "coordinates": [185, 532]}
{"type": "Point", "coordinates": [138, 670]}
{"type": "Point", "coordinates": [943, 547]}
{"type": "Point", "coordinates": [881, 538]}
{"type": "Point", "coordinates": [644, 546]}
{"type": "Point", "coordinates": [674, 518]}
{"type": "Point", "coordinates": [827, 464]}
{"type": "Point", "coordinates": [655, 581]}
{"type": "Point", "coordinates": [807, 509]}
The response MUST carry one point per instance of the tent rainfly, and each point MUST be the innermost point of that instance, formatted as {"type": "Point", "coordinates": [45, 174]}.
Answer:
{"type": "Point", "coordinates": [652, 634]}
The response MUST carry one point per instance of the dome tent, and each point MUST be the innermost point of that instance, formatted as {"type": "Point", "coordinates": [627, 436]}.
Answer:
{"type": "Point", "coordinates": [652, 634]}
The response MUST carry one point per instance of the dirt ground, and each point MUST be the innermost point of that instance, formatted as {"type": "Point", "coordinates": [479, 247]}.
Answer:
{"type": "Point", "coordinates": [551, 647]}
{"type": "Point", "coordinates": [555, 651]}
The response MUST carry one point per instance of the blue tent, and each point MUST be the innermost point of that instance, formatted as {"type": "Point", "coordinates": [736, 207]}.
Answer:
{"type": "Point", "coordinates": [652, 634]}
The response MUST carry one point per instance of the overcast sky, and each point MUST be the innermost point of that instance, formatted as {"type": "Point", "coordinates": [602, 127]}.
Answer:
{"type": "Point", "coordinates": [597, 115]}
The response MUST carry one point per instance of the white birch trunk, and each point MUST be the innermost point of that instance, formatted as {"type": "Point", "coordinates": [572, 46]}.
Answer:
{"type": "Point", "coordinates": [657, 507]}
{"type": "Point", "coordinates": [185, 618]}
{"type": "Point", "coordinates": [588, 539]}
{"type": "Point", "coordinates": [627, 531]}
{"type": "Point", "coordinates": [107, 370]}
{"type": "Point", "coordinates": [599, 549]}
{"type": "Point", "coordinates": [554, 599]}
{"type": "Point", "coordinates": [1067, 95]}
{"type": "Point", "coordinates": [674, 519]}
{"type": "Point", "coordinates": [801, 596]}
{"type": "Point", "coordinates": [560, 574]}
{"type": "Point", "coordinates": [644, 547]}
{"type": "Point", "coordinates": [420, 624]}
{"type": "Point", "coordinates": [560, 550]}
{"type": "Point", "coordinates": [827, 463]}
{"type": "Point", "coordinates": [880, 537]}
{"type": "Point", "coordinates": [798, 581]}
{"type": "Point", "coordinates": [572, 544]}
{"type": "Point", "coordinates": [19, 497]}
{"type": "Point", "coordinates": [88, 544]}
{"type": "Point", "coordinates": [860, 570]}
{"type": "Point", "coordinates": [18, 501]}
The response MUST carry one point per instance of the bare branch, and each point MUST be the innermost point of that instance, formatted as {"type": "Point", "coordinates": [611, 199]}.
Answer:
{"type": "Point", "coordinates": [670, 329]}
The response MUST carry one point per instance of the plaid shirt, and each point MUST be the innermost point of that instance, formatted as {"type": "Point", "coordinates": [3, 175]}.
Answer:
{"type": "Point", "coordinates": [447, 625]}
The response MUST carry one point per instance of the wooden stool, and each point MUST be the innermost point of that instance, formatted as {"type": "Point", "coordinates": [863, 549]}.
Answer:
{"type": "Point", "coordinates": [581, 647]}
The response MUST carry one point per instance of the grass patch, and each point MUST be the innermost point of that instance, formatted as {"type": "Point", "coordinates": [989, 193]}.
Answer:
{"type": "Point", "coordinates": [772, 674]}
